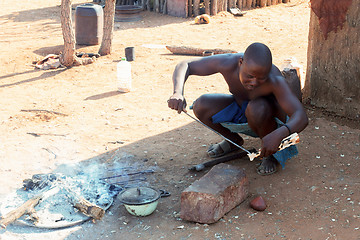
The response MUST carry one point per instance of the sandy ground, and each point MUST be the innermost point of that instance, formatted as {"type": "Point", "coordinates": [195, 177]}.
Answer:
{"type": "Point", "coordinates": [315, 197]}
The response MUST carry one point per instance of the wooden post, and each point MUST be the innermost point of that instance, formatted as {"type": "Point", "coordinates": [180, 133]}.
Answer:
{"type": "Point", "coordinates": [273, 2]}
{"type": "Point", "coordinates": [196, 8]}
{"type": "Point", "coordinates": [190, 8]}
{"type": "Point", "coordinates": [279, 1]}
{"type": "Point", "coordinates": [286, 1]}
{"type": "Point", "coordinates": [156, 5]}
{"type": "Point", "coordinates": [165, 7]}
{"type": "Point", "coordinates": [249, 4]}
{"type": "Point", "coordinates": [207, 7]}
{"type": "Point", "coordinates": [148, 5]}
{"type": "Point", "coordinates": [214, 7]}
{"type": "Point", "coordinates": [268, 2]}
{"type": "Point", "coordinates": [219, 6]}
{"type": "Point", "coordinates": [239, 4]}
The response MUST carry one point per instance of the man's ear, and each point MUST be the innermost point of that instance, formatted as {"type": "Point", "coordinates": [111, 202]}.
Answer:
{"type": "Point", "coordinates": [241, 60]}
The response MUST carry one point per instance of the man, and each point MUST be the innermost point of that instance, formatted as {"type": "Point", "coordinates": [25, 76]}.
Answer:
{"type": "Point", "coordinates": [260, 98]}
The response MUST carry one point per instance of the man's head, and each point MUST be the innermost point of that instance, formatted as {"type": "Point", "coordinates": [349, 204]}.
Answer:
{"type": "Point", "coordinates": [255, 66]}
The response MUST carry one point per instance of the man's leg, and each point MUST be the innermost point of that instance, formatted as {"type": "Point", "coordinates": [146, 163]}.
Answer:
{"type": "Point", "coordinates": [207, 106]}
{"type": "Point", "coordinates": [261, 113]}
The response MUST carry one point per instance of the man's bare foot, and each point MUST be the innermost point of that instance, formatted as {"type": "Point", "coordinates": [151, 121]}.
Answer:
{"type": "Point", "coordinates": [267, 166]}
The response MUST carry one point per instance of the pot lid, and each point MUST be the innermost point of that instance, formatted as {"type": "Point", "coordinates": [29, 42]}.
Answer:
{"type": "Point", "coordinates": [139, 195]}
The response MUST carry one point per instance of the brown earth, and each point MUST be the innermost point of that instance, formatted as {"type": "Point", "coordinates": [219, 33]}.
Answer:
{"type": "Point", "coordinates": [315, 197]}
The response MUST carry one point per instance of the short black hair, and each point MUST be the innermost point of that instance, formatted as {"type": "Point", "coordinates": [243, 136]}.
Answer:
{"type": "Point", "coordinates": [259, 54]}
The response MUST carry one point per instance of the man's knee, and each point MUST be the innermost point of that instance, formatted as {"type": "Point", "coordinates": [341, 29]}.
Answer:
{"type": "Point", "coordinates": [200, 105]}
{"type": "Point", "coordinates": [259, 110]}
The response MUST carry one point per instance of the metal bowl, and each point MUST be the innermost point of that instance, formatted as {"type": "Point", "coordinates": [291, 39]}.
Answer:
{"type": "Point", "coordinates": [140, 201]}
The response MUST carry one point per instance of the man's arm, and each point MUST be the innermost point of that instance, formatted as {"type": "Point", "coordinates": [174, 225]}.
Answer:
{"type": "Point", "coordinates": [293, 108]}
{"type": "Point", "coordinates": [200, 66]}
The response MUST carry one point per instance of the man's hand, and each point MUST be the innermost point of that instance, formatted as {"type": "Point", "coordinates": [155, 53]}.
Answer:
{"type": "Point", "coordinates": [177, 102]}
{"type": "Point", "coordinates": [270, 143]}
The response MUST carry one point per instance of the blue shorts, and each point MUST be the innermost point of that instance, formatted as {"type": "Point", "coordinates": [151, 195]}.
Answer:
{"type": "Point", "coordinates": [233, 117]}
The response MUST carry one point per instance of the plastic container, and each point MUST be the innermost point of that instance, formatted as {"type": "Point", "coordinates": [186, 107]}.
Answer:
{"type": "Point", "coordinates": [291, 63]}
{"type": "Point", "coordinates": [89, 22]}
{"type": "Point", "coordinates": [124, 75]}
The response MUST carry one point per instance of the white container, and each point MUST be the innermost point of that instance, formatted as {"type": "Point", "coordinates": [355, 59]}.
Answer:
{"type": "Point", "coordinates": [124, 75]}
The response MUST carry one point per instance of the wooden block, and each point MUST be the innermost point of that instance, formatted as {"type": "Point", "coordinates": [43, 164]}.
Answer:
{"type": "Point", "coordinates": [215, 194]}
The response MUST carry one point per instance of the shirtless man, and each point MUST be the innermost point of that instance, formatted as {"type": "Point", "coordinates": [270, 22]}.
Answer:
{"type": "Point", "coordinates": [258, 95]}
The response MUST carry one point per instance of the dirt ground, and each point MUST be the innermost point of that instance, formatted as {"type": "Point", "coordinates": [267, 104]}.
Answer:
{"type": "Point", "coordinates": [315, 197]}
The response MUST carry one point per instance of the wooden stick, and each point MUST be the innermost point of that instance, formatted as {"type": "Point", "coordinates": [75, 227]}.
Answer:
{"type": "Point", "coordinates": [183, 50]}
{"type": "Point", "coordinates": [49, 134]}
{"type": "Point", "coordinates": [42, 110]}
{"type": "Point", "coordinates": [26, 208]}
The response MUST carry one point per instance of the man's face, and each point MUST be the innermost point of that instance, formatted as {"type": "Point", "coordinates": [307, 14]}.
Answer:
{"type": "Point", "coordinates": [252, 75]}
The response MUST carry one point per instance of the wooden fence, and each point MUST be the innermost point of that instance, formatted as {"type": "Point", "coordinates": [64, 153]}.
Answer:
{"type": "Point", "coordinates": [193, 8]}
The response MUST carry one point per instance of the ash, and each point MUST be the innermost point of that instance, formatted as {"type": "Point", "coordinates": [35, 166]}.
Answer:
{"type": "Point", "coordinates": [99, 183]}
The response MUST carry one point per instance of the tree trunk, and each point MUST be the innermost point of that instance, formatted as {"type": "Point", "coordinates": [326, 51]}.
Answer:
{"type": "Point", "coordinates": [67, 58]}
{"type": "Point", "coordinates": [333, 73]}
{"type": "Point", "coordinates": [109, 14]}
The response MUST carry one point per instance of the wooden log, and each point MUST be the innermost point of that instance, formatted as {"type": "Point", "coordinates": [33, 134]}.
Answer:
{"type": "Point", "coordinates": [84, 206]}
{"type": "Point", "coordinates": [207, 7]}
{"type": "Point", "coordinates": [184, 50]}
{"type": "Point", "coordinates": [196, 8]}
{"type": "Point", "coordinates": [26, 208]}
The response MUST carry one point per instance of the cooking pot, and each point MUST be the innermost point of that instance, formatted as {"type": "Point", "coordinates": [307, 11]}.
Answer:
{"type": "Point", "coordinates": [141, 201]}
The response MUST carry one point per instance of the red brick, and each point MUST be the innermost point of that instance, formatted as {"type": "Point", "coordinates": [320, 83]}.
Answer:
{"type": "Point", "coordinates": [215, 194]}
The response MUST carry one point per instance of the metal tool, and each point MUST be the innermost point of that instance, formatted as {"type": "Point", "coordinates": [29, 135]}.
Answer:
{"type": "Point", "coordinates": [286, 142]}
